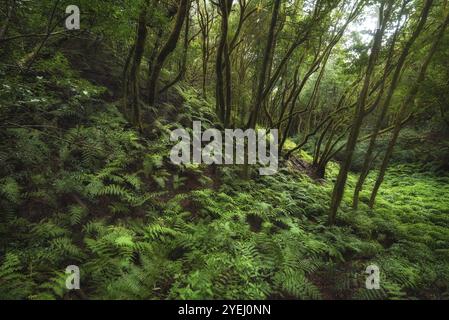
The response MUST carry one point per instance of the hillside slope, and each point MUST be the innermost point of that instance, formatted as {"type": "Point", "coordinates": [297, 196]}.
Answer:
{"type": "Point", "coordinates": [78, 186]}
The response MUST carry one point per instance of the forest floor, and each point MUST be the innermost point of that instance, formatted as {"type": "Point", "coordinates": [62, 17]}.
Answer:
{"type": "Point", "coordinates": [89, 190]}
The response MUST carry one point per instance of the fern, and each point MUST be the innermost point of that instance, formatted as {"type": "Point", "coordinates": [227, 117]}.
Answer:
{"type": "Point", "coordinates": [296, 284]}
{"type": "Point", "coordinates": [13, 283]}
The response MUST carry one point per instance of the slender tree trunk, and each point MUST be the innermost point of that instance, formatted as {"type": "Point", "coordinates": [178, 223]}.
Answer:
{"type": "Point", "coordinates": [313, 68]}
{"type": "Point", "coordinates": [154, 53]}
{"type": "Point", "coordinates": [133, 79]}
{"type": "Point", "coordinates": [228, 86]}
{"type": "Point", "coordinates": [386, 104]}
{"type": "Point", "coordinates": [319, 142]}
{"type": "Point", "coordinates": [268, 55]}
{"type": "Point", "coordinates": [204, 68]}
{"type": "Point", "coordinates": [223, 86]}
{"type": "Point", "coordinates": [166, 50]}
{"type": "Point", "coordinates": [265, 63]}
{"type": "Point", "coordinates": [183, 64]}
{"type": "Point", "coordinates": [402, 110]}
{"type": "Point", "coordinates": [205, 22]}
{"type": "Point", "coordinates": [339, 187]}
{"type": "Point", "coordinates": [125, 77]}
{"type": "Point", "coordinates": [320, 58]}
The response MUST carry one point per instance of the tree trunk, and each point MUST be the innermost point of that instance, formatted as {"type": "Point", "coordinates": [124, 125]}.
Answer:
{"type": "Point", "coordinates": [386, 104]}
{"type": "Point", "coordinates": [166, 50]}
{"type": "Point", "coordinates": [133, 79]}
{"type": "Point", "coordinates": [402, 110]}
{"type": "Point", "coordinates": [183, 65]}
{"type": "Point", "coordinates": [223, 88]}
{"type": "Point", "coordinates": [319, 170]}
{"type": "Point", "coordinates": [205, 24]}
{"type": "Point", "coordinates": [340, 184]}
{"type": "Point", "coordinates": [265, 63]}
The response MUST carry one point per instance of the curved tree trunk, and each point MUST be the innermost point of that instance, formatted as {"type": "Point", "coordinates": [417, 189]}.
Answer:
{"type": "Point", "coordinates": [223, 86]}
{"type": "Point", "coordinates": [135, 68]}
{"type": "Point", "coordinates": [265, 63]}
{"type": "Point", "coordinates": [339, 187]}
{"type": "Point", "coordinates": [131, 94]}
{"type": "Point", "coordinates": [166, 50]}
{"type": "Point", "coordinates": [402, 110]}
{"type": "Point", "coordinates": [183, 64]}
{"type": "Point", "coordinates": [385, 106]}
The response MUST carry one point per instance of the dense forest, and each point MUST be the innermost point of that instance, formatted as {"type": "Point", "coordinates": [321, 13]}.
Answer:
{"type": "Point", "coordinates": [353, 95]}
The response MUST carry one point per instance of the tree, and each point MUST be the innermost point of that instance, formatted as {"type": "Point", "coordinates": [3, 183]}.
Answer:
{"type": "Point", "coordinates": [360, 113]}
{"type": "Point", "coordinates": [386, 103]}
{"type": "Point", "coordinates": [132, 79]}
{"type": "Point", "coordinates": [223, 86]}
{"type": "Point", "coordinates": [167, 49]}
{"type": "Point", "coordinates": [265, 63]}
{"type": "Point", "coordinates": [408, 101]}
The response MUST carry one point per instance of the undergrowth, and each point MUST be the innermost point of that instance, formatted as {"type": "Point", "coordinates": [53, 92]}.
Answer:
{"type": "Point", "coordinates": [88, 190]}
